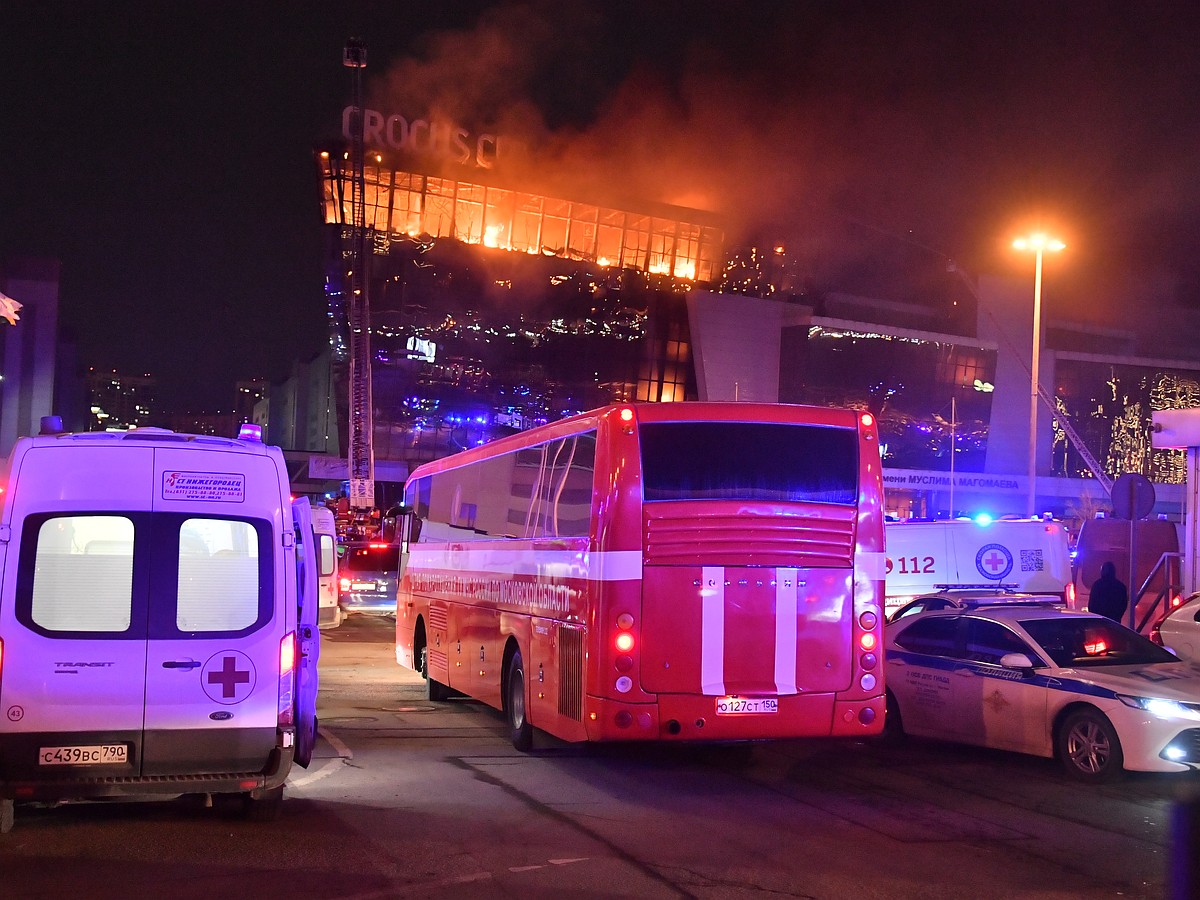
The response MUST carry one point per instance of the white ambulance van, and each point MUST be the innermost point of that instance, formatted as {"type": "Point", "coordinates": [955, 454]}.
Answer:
{"type": "Point", "coordinates": [325, 533]}
{"type": "Point", "coordinates": [158, 619]}
{"type": "Point", "coordinates": [1027, 555]}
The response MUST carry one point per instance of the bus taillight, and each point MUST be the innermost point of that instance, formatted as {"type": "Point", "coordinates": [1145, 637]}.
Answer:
{"type": "Point", "coordinates": [867, 640]}
{"type": "Point", "coordinates": [624, 641]}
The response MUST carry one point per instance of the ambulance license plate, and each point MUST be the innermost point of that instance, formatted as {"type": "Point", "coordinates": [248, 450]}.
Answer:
{"type": "Point", "coordinates": [746, 706]}
{"type": "Point", "coordinates": [94, 755]}
{"type": "Point", "coordinates": [362, 586]}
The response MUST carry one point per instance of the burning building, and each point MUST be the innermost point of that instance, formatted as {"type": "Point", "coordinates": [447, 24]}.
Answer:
{"type": "Point", "coordinates": [494, 307]}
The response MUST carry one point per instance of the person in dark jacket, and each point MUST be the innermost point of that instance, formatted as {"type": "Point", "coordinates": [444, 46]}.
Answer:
{"type": "Point", "coordinates": [1109, 596]}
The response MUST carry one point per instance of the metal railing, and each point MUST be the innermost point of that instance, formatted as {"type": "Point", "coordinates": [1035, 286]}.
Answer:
{"type": "Point", "coordinates": [1171, 566]}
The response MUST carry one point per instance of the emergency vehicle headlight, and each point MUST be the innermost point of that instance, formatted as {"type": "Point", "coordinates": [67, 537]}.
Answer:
{"type": "Point", "coordinates": [1164, 709]}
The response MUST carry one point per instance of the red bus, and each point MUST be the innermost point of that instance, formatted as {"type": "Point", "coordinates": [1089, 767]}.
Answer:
{"type": "Point", "coordinates": [655, 571]}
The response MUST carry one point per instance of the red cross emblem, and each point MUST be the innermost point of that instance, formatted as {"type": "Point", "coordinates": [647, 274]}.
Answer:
{"type": "Point", "coordinates": [228, 677]}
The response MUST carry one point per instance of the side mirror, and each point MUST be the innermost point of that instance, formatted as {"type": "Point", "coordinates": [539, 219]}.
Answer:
{"type": "Point", "coordinates": [1016, 661]}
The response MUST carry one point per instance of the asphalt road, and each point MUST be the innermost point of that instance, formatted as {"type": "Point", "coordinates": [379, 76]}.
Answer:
{"type": "Point", "coordinates": [409, 798]}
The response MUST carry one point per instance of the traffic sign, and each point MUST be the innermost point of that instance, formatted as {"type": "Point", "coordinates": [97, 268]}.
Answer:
{"type": "Point", "coordinates": [1132, 496]}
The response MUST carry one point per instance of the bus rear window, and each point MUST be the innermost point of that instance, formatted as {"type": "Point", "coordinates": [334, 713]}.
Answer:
{"type": "Point", "coordinates": [749, 461]}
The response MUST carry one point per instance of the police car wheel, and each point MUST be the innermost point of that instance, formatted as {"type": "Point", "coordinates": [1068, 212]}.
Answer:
{"type": "Point", "coordinates": [1089, 748]}
{"type": "Point", "coordinates": [6, 816]}
{"type": "Point", "coordinates": [519, 728]}
{"type": "Point", "coordinates": [264, 808]}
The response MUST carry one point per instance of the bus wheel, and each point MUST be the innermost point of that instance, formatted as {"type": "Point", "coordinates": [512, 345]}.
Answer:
{"type": "Point", "coordinates": [265, 807]}
{"type": "Point", "coordinates": [437, 690]}
{"type": "Point", "coordinates": [519, 729]}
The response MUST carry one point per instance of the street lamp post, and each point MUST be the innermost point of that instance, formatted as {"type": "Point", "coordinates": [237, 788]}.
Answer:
{"type": "Point", "coordinates": [1039, 243]}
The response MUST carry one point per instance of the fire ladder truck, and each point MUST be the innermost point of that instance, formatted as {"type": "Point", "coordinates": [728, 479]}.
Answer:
{"type": "Point", "coordinates": [361, 422]}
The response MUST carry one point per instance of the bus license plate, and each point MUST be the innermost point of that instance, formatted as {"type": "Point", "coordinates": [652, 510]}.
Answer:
{"type": "Point", "coordinates": [745, 706]}
{"type": "Point", "coordinates": [95, 755]}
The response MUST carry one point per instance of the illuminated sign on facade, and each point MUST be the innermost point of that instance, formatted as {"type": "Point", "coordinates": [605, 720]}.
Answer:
{"type": "Point", "coordinates": [422, 137]}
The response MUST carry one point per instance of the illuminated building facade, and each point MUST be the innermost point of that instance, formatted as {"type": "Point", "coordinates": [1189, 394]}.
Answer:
{"type": "Point", "coordinates": [494, 309]}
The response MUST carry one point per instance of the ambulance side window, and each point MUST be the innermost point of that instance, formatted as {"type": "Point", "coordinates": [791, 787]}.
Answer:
{"type": "Point", "coordinates": [218, 575]}
{"type": "Point", "coordinates": [83, 574]}
{"type": "Point", "coordinates": [328, 554]}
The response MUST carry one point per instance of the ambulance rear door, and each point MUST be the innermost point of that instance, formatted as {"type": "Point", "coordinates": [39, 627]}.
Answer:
{"type": "Point", "coordinates": [308, 566]}
{"type": "Point", "coordinates": [74, 615]}
{"type": "Point", "coordinates": [219, 622]}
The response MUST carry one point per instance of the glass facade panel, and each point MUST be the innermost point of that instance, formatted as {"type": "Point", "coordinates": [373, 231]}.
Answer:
{"type": "Point", "coordinates": [468, 213]}
{"type": "Point", "coordinates": [908, 384]}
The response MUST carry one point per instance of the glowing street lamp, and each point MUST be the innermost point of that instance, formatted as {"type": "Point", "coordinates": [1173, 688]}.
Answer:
{"type": "Point", "coordinates": [1039, 243]}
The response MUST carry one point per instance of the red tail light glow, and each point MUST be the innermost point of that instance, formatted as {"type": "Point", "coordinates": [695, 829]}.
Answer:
{"type": "Point", "coordinates": [867, 420]}
{"type": "Point", "coordinates": [626, 414]}
{"type": "Point", "coordinates": [1097, 648]}
{"type": "Point", "coordinates": [867, 640]}
{"type": "Point", "coordinates": [1176, 600]}
{"type": "Point", "coordinates": [287, 653]}
{"type": "Point", "coordinates": [344, 583]}
{"type": "Point", "coordinates": [624, 641]}
{"type": "Point", "coordinates": [1069, 595]}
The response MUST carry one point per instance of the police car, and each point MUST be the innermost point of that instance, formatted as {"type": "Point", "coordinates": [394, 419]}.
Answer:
{"type": "Point", "coordinates": [1043, 681]}
{"type": "Point", "coordinates": [973, 596]}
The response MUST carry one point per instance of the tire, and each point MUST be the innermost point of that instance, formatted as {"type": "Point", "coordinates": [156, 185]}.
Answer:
{"type": "Point", "coordinates": [264, 808]}
{"type": "Point", "coordinates": [519, 729]}
{"type": "Point", "coordinates": [436, 691]}
{"type": "Point", "coordinates": [893, 724]}
{"type": "Point", "coordinates": [1089, 748]}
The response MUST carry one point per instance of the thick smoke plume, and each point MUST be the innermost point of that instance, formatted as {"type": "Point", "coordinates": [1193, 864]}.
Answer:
{"type": "Point", "coordinates": [919, 129]}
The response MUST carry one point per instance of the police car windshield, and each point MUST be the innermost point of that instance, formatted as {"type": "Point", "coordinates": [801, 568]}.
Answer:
{"type": "Point", "coordinates": [1077, 642]}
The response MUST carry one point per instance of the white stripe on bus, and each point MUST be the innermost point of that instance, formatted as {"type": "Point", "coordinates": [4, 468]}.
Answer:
{"type": "Point", "coordinates": [785, 631]}
{"type": "Point", "coordinates": [712, 631]}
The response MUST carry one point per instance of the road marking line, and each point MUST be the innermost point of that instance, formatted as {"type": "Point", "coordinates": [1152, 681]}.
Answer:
{"type": "Point", "coordinates": [344, 755]}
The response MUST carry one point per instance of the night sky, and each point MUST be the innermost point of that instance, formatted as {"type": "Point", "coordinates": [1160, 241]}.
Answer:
{"type": "Point", "coordinates": [163, 151]}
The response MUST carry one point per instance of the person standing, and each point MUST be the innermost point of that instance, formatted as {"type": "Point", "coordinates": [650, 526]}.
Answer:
{"type": "Point", "coordinates": [1109, 596]}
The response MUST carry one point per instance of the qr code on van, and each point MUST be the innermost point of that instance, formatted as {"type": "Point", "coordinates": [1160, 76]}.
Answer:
{"type": "Point", "coordinates": [1031, 561]}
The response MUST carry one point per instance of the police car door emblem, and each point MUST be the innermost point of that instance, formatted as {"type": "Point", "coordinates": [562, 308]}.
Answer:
{"type": "Point", "coordinates": [228, 677]}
